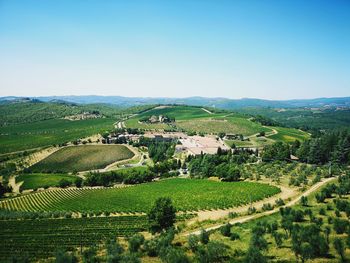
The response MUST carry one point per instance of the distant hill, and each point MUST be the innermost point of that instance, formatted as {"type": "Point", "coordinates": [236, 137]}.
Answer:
{"type": "Point", "coordinates": [222, 103]}
{"type": "Point", "coordinates": [24, 110]}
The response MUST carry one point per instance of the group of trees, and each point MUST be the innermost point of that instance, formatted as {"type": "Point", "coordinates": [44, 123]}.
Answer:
{"type": "Point", "coordinates": [265, 121]}
{"type": "Point", "coordinates": [278, 151]}
{"type": "Point", "coordinates": [158, 150]}
{"type": "Point", "coordinates": [224, 164]}
{"type": "Point", "coordinates": [329, 147]}
{"type": "Point", "coordinates": [133, 176]}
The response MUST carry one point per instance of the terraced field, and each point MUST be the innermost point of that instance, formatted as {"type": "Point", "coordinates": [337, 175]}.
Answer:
{"type": "Point", "coordinates": [187, 195]}
{"type": "Point", "coordinates": [42, 238]}
{"type": "Point", "coordinates": [82, 158]}
{"type": "Point", "coordinates": [34, 181]}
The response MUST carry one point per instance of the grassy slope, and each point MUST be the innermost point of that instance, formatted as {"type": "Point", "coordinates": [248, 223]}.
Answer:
{"type": "Point", "coordinates": [45, 133]}
{"type": "Point", "coordinates": [83, 158]}
{"type": "Point", "coordinates": [34, 181]}
{"type": "Point", "coordinates": [187, 194]}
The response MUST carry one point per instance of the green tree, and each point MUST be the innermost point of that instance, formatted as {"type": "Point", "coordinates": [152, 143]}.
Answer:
{"type": "Point", "coordinates": [254, 255]}
{"type": "Point", "coordinates": [64, 257]}
{"type": "Point", "coordinates": [162, 215]}
{"type": "Point", "coordinates": [339, 247]}
{"type": "Point", "coordinates": [78, 182]}
{"type": "Point", "coordinates": [135, 242]}
{"type": "Point", "coordinates": [63, 183]}
{"type": "Point", "coordinates": [303, 201]}
{"type": "Point", "coordinates": [204, 237]}
{"type": "Point", "coordinates": [193, 241]}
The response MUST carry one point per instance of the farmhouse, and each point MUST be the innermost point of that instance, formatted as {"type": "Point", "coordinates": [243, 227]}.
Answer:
{"type": "Point", "coordinates": [195, 145]}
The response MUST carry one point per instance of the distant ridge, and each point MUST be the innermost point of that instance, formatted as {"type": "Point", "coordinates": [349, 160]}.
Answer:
{"type": "Point", "coordinates": [222, 103]}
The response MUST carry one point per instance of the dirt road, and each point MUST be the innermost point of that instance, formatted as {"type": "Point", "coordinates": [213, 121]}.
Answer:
{"type": "Point", "coordinates": [207, 111]}
{"type": "Point", "coordinates": [255, 216]}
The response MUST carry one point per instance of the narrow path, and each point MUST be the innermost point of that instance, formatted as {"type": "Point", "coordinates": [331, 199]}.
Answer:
{"type": "Point", "coordinates": [207, 111]}
{"type": "Point", "coordinates": [255, 216]}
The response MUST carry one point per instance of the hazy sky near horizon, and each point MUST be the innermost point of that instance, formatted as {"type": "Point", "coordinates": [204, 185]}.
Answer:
{"type": "Point", "coordinates": [261, 49]}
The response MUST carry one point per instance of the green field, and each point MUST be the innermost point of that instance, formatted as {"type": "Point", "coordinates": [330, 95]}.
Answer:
{"type": "Point", "coordinates": [289, 135]}
{"type": "Point", "coordinates": [38, 180]}
{"type": "Point", "coordinates": [232, 125]}
{"type": "Point", "coordinates": [41, 238]}
{"type": "Point", "coordinates": [195, 119]}
{"type": "Point", "coordinates": [177, 112]}
{"type": "Point", "coordinates": [45, 133]}
{"type": "Point", "coordinates": [187, 195]}
{"type": "Point", "coordinates": [82, 158]}
{"type": "Point", "coordinates": [239, 143]}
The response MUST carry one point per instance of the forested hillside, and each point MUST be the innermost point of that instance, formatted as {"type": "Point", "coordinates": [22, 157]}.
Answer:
{"type": "Point", "coordinates": [305, 118]}
{"type": "Point", "coordinates": [32, 111]}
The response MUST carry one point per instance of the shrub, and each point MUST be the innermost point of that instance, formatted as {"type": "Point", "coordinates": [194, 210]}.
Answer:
{"type": "Point", "coordinates": [279, 202]}
{"type": "Point", "coordinates": [135, 242]}
{"type": "Point", "coordinates": [303, 201]}
{"type": "Point", "coordinates": [267, 207]}
{"type": "Point", "coordinates": [322, 211]}
{"type": "Point", "coordinates": [232, 215]}
{"type": "Point", "coordinates": [339, 247]}
{"type": "Point", "coordinates": [234, 236]}
{"type": "Point", "coordinates": [340, 225]}
{"type": "Point", "coordinates": [63, 183]}
{"type": "Point", "coordinates": [65, 257]}
{"type": "Point", "coordinates": [226, 230]}
{"type": "Point", "coordinates": [193, 242]}
{"type": "Point", "coordinates": [204, 237]}
{"type": "Point", "coordinates": [78, 182]}
{"type": "Point", "coordinates": [150, 246]}
{"type": "Point", "coordinates": [251, 210]}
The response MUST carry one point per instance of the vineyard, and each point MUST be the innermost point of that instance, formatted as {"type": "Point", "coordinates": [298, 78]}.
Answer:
{"type": "Point", "coordinates": [42, 238]}
{"type": "Point", "coordinates": [187, 195]}
{"type": "Point", "coordinates": [82, 158]}
{"type": "Point", "coordinates": [48, 132]}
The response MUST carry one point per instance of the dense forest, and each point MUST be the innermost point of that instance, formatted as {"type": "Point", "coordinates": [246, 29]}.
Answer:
{"type": "Point", "coordinates": [331, 146]}
{"type": "Point", "coordinates": [303, 118]}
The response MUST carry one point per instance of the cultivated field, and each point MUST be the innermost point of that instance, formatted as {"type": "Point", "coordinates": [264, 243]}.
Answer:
{"type": "Point", "coordinates": [177, 112]}
{"type": "Point", "coordinates": [195, 119]}
{"type": "Point", "coordinates": [233, 125]}
{"type": "Point", "coordinates": [187, 195]}
{"type": "Point", "coordinates": [42, 238]}
{"type": "Point", "coordinates": [289, 135]}
{"type": "Point", "coordinates": [45, 133]}
{"type": "Point", "coordinates": [82, 158]}
{"type": "Point", "coordinates": [38, 180]}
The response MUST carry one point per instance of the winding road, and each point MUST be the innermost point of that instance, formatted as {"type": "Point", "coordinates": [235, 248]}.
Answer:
{"type": "Point", "coordinates": [247, 218]}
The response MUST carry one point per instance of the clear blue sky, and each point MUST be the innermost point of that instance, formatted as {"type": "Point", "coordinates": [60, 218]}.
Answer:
{"type": "Point", "coordinates": [262, 49]}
